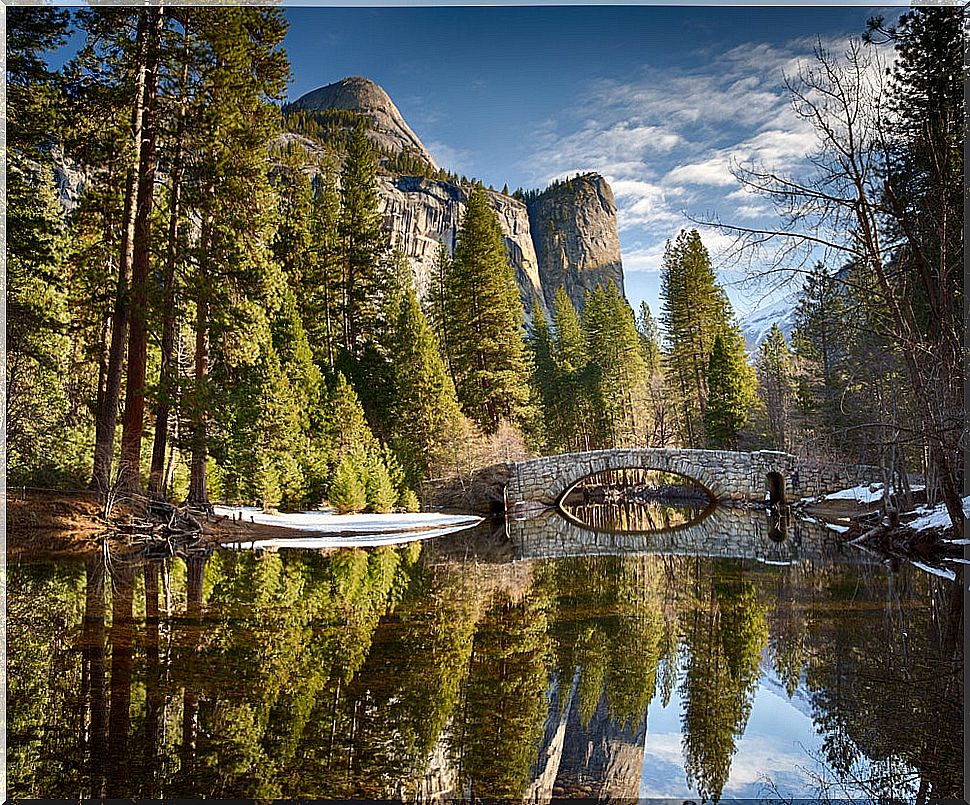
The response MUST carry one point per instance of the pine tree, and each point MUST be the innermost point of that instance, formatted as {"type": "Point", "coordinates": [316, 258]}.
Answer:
{"type": "Point", "coordinates": [616, 366]}
{"type": "Point", "coordinates": [437, 302]}
{"type": "Point", "coordinates": [109, 79]}
{"type": "Point", "coordinates": [320, 298]}
{"type": "Point", "coordinates": [695, 309]}
{"type": "Point", "coordinates": [362, 243]}
{"type": "Point", "coordinates": [649, 339]}
{"type": "Point", "coordinates": [347, 492]}
{"type": "Point", "coordinates": [234, 280]}
{"type": "Point", "coordinates": [776, 383]}
{"type": "Point", "coordinates": [484, 331]}
{"type": "Point", "coordinates": [819, 341]}
{"type": "Point", "coordinates": [547, 384]}
{"type": "Point", "coordinates": [577, 411]}
{"type": "Point", "coordinates": [731, 387]}
{"type": "Point", "coordinates": [423, 412]}
{"type": "Point", "coordinates": [37, 403]}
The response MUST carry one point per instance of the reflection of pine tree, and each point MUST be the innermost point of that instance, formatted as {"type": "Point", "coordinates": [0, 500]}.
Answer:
{"type": "Point", "coordinates": [726, 635]}
{"type": "Point", "coordinates": [505, 708]}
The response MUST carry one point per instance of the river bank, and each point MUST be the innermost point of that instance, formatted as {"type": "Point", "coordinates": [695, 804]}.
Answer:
{"type": "Point", "coordinates": [53, 523]}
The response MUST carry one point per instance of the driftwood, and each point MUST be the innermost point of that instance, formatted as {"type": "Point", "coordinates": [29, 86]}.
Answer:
{"type": "Point", "coordinates": [163, 530]}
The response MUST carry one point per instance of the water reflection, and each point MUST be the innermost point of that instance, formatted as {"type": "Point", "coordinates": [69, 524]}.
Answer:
{"type": "Point", "coordinates": [635, 501]}
{"type": "Point", "coordinates": [417, 673]}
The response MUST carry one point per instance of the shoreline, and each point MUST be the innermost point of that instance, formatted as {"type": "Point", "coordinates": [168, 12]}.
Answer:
{"type": "Point", "coordinates": [51, 523]}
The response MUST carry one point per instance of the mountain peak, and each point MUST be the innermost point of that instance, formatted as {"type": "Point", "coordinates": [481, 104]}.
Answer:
{"type": "Point", "coordinates": [358, 94]}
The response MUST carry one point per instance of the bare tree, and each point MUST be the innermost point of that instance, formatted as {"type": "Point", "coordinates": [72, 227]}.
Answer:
{"type": "Point", "coordinates": [847, 204]}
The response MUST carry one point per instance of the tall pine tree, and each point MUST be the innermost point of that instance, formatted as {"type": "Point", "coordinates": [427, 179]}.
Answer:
{"type": "Point", "coordinates": [485, 318]}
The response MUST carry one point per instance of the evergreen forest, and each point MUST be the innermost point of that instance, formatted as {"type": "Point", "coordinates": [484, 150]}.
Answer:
{"type": "Point", "coordinates": [218, 314]}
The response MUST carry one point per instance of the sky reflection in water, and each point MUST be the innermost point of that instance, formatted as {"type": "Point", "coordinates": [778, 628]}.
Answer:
{"type": "Point", "coordinates": [448, 669]}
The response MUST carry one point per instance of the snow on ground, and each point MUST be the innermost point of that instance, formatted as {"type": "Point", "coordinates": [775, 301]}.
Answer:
{"type": "Point", "coordinates": [329, 522]}
{"type": "Point", "coordinates": [361, 541]}
{"type": "Point", "coordinates": [936, 516]}
{"type": "Point", "coordinates": [327, 529]}
{"type": "Point", "coordinates": [864, 493]}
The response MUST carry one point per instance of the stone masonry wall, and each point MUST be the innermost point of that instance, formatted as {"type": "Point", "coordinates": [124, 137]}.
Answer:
{"type": "Point", "coordinates": [725, 474]}
{"type": "Point", "coordinates": [728, 533]}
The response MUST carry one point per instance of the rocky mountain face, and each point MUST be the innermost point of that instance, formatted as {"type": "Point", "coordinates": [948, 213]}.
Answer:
{"type": "Point", "coordinates": [575, 236]}
{"type": "Point", "coordinates": [566, 236]}
{"type": "Point", "coordinates": [363, 97]}
{"type": "Point", "coordinates": [421, 213]}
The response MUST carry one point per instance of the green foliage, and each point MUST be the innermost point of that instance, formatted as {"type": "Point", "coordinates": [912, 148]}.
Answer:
{"type": "Point", "coordinates": [616, 371]}
{"type": "Point", "coordinates": [484, 327]}
{"type": "Point", "coordinates": [347, 491]}
{"type": "Point", "coordinates": [38, 413]}
{"type": "Point", "coordinates": [731, 387]}
{"type": "Point", "coordinates": [505, 708]}
{"type": "Point", "coordinates": [694, 310]}
{"type": "Point", "coordinates": [727, 634]}
{"type": "Point", "coordinates": [423, 411]}
{"type": "Point", "coordinates": [379, 489]}
{"type": "Point", "coordinates": [776, 378]}
{"type": "Point", "coordinates": [362, 244]}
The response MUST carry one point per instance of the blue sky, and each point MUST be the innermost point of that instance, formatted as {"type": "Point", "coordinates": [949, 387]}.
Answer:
{"type": "Point", "coordinates": [658, 99]}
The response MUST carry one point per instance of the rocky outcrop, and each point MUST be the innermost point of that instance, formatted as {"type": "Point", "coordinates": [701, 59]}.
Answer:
{"type": "Point", "coordinates": [603, 759]}
{"type": "Point", "coordinates": [421, 213]}
{"type": "Point", "coordinates": [575, 235]}
{"type": "Point", "coordinates": [363, 97]}
{"type": "Point", "coordinates": [565, 236]}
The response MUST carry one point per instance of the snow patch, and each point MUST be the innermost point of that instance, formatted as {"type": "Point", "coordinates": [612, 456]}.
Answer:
{"type": "Point", "coordinates": [937, 571]}
{"type": "Point", "coordinates": [756, 325]}
{"type": "Point", "coordinates": [936, 517]}
{"type": "Point", "coordinates": [841, 529]}
{"type": "Point", "coordinates": [362, 541]}
{"type": "Point", "coordinates": [329, 522]}
{"type": "Point", "coordinates": [864, 493]}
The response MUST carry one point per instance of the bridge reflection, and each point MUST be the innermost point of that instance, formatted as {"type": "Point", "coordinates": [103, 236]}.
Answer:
{"type": "Point", "coordinates": [728, 532]}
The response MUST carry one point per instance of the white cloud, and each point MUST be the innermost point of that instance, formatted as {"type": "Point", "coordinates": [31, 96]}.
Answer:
{"type": "Point", "coordinates": [667, 139]}
{"type": "Point", "coordinates": [640, 204]}
{"type": "Point", "coordinates": [646, 259]}
{"type": "Point", "coordinates": [715, 171]}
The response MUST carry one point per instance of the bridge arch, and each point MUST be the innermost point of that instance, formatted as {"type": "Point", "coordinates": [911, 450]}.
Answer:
{"type": "Point", "coordinates": [566, 492]}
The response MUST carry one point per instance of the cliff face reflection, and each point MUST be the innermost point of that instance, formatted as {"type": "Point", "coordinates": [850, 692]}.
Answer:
{"type": "Point", "coordinates": [402, 672]}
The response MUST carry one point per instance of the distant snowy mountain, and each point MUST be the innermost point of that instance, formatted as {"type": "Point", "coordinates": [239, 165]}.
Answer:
{"type": "Point", "coordinates": [756, 325]}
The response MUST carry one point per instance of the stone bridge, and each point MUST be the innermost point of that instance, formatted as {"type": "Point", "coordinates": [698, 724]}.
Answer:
{"type": "Point", "coordinates": [727, 532]}
{"type": "Point", "coordinates": [726, 475]}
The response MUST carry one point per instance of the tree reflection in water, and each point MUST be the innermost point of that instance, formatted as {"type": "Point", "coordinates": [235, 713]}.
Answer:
{"type": "Point", "coordinates": [635, 501]}
{"type": "Point", "coordinates": [389, 674]}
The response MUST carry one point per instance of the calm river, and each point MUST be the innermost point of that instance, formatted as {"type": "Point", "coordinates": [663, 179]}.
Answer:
{"type": "Point", "coordinates": [477, 665]}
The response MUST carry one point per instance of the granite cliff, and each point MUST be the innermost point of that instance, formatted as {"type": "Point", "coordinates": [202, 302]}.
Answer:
{"type": "Point", "coordinates": [420, 213]}
{"type": "Point", "coordinates": [564, 236]}
{"type": "Point", "coordinates": [361, 96]}
{"type": "Point", "coordinates": [575, 237]}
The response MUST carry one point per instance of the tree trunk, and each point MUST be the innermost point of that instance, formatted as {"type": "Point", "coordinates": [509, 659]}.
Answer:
{"type": "Point", "coordinates": [169, 369]}
{"type": "Point", "coordinates": [198, 494]}
{"type": "Point", "coordinates": [134, 419]}
{"type": "Point", "coordinates": [107, 416]}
